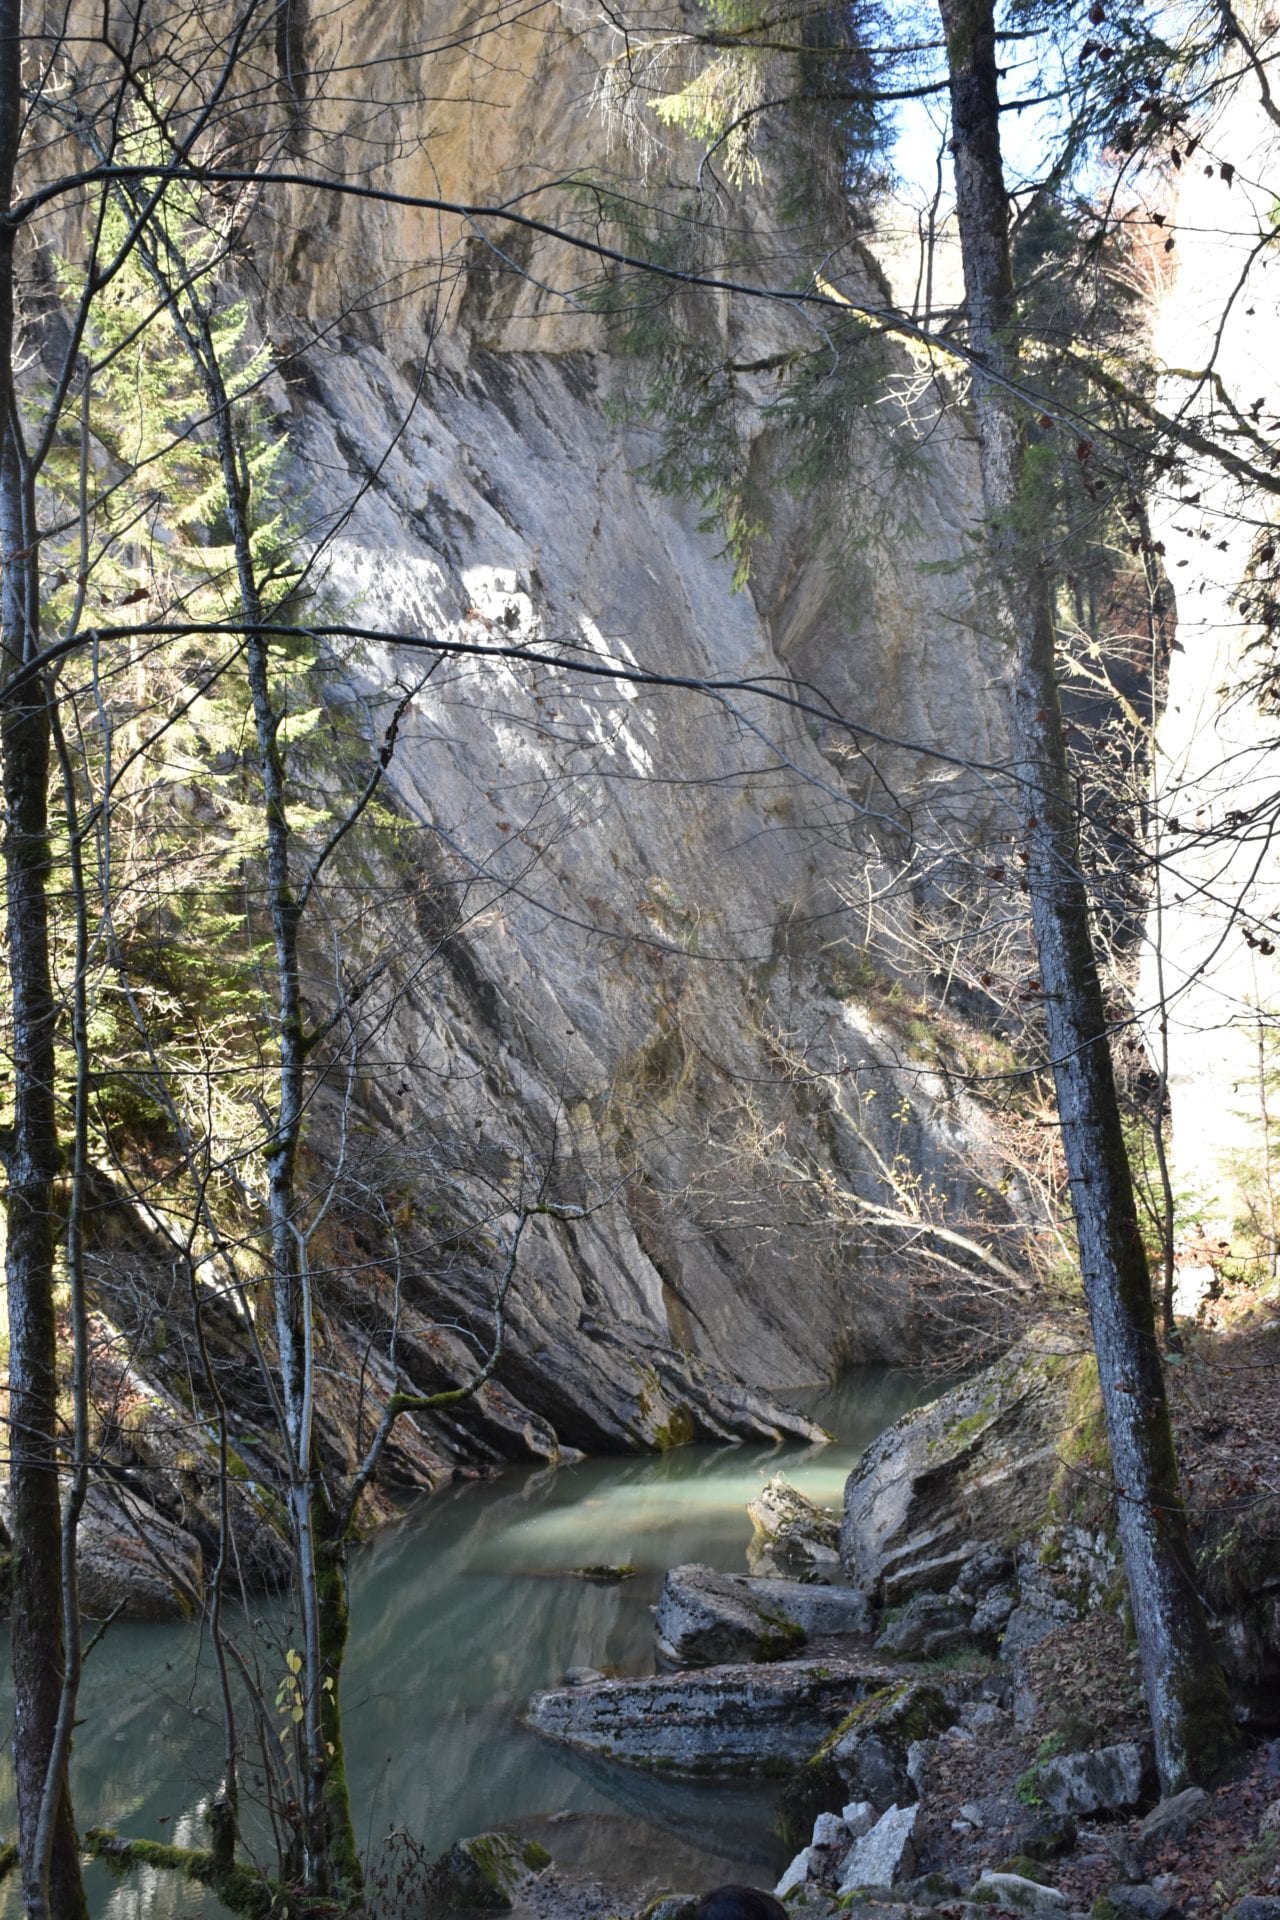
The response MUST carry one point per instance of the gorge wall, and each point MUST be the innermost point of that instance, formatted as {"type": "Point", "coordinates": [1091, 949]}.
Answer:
{"type": "Point", "coordinates": [662, 901]}
{"type": "Point", "coordinates": [644, 955]}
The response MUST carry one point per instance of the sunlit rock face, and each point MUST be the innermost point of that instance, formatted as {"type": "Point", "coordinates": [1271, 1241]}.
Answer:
{"type": "Point", "coordinates": [633, 956]}
{"type": "Point", "coordinates": [654, 909]}
{"type": "Point", "coordinates": [1212, 933]}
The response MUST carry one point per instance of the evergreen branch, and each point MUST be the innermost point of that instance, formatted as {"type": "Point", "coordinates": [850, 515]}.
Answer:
{"type": "Point", "coordinates": [1182, 431]}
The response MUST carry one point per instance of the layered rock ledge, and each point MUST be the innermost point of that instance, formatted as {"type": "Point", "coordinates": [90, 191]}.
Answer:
{"type": "Point", "coordinates": [731, 1722]}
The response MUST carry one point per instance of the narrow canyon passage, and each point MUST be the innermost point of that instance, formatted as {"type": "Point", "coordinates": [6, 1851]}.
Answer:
{"type": "Point", "coordinates": [458, 1616]}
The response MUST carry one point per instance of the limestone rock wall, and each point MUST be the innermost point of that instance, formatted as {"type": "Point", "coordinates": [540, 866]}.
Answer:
{"type": "Point", "coordinates": [639, 952]}
{"type": "Point", "coordinates": [659, 923]}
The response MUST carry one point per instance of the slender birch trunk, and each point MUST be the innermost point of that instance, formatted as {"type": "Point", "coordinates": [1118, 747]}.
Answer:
{"type": "Point", "coordinates": [1186, 1693]}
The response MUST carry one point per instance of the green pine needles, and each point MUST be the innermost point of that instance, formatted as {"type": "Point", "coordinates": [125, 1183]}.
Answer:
{"type": "Point", "coordinates": [158, 718]}
{"type": "Point", "coordinates": [777, 119]}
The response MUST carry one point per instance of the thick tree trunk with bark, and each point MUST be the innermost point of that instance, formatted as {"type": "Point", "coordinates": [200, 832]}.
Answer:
{"type": "Point", "coordinates": [1186, 1693]}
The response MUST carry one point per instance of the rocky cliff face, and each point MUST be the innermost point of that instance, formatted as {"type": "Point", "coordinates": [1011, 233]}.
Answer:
{"type": "Point", "coordinates": [643, 952]}
{"type": "Point", "coordinates": [663, 897]}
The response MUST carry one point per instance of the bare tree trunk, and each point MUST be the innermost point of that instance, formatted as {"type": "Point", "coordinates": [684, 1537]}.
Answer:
{"type": "Point", "coordinates": [331, 1856]}
{"type": "Point", "coordinates": [1186, 1693]}
{"type": "Point", "coordinates": [31, 1156]}
{"type": "Point", "coordinates": [1264, 1115]}
{"type": "Point", "coordinates": [30, 1144]}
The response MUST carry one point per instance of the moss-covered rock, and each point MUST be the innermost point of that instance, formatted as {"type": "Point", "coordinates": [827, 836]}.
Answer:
{"type": "Point", "coordinates": [1014, 1893]}
{"type": "Point", "coordinates": [671, 1906]}
{"type": "Point", "coordinates": [1237, 1550]}
{"type": "Point", "coordinates": [1081, 1489]}
{"type": "Point", "coordinates": [792, 1536]}
{"type": "Point", "coordinates": [864, 1758]}
{"type": "Point", "coordinates": [487, 1871]}
{"type": "Point", "coordinates": [705, 1618]}
{"type": "Point", "coordinates": [931, 1624]}
{"type": "Point", "coordinates": [1024, 1866]}
{"type": "Point", "coordinates": [976, 1466]}
{"type": "Point", "coordinates": [1046, 1839]}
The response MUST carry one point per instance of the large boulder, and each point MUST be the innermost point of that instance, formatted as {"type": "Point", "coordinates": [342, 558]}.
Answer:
{"type": "Point", "coordinates": [1099, 1780]}
{"type": "Point", "coordinates": [865, 1757]}
{"type": "Point", "coordinates": [974, 1467]}
{"type": "Point", "coordinates": [722, 1723]}
{"type": "Point", "coordinates": [705, 1617]}
{"type": "Point", "coordinates": [1168, 1824]}
{"type": "Point", "coordinates": [929, 1625]}
{"type": "Point", "coordinates": [884, 1855]}
{"type": "Point", "coordinates": [792, 1534]}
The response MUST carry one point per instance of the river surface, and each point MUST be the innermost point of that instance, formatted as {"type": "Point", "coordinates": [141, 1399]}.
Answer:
{"type": "Point", "coordinates": [457, 1615]}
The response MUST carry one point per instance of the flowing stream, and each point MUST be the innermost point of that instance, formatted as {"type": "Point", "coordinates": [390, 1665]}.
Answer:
{"type": "Point", "coordinates": [456, 1617]}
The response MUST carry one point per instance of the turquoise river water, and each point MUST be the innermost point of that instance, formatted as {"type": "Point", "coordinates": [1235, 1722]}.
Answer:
{"type": "Point", "coordinates": [457, 1615]}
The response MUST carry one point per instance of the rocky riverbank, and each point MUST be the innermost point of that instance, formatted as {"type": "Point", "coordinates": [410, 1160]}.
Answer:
{"type": "Point", "coordinates": [951, 1706]}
